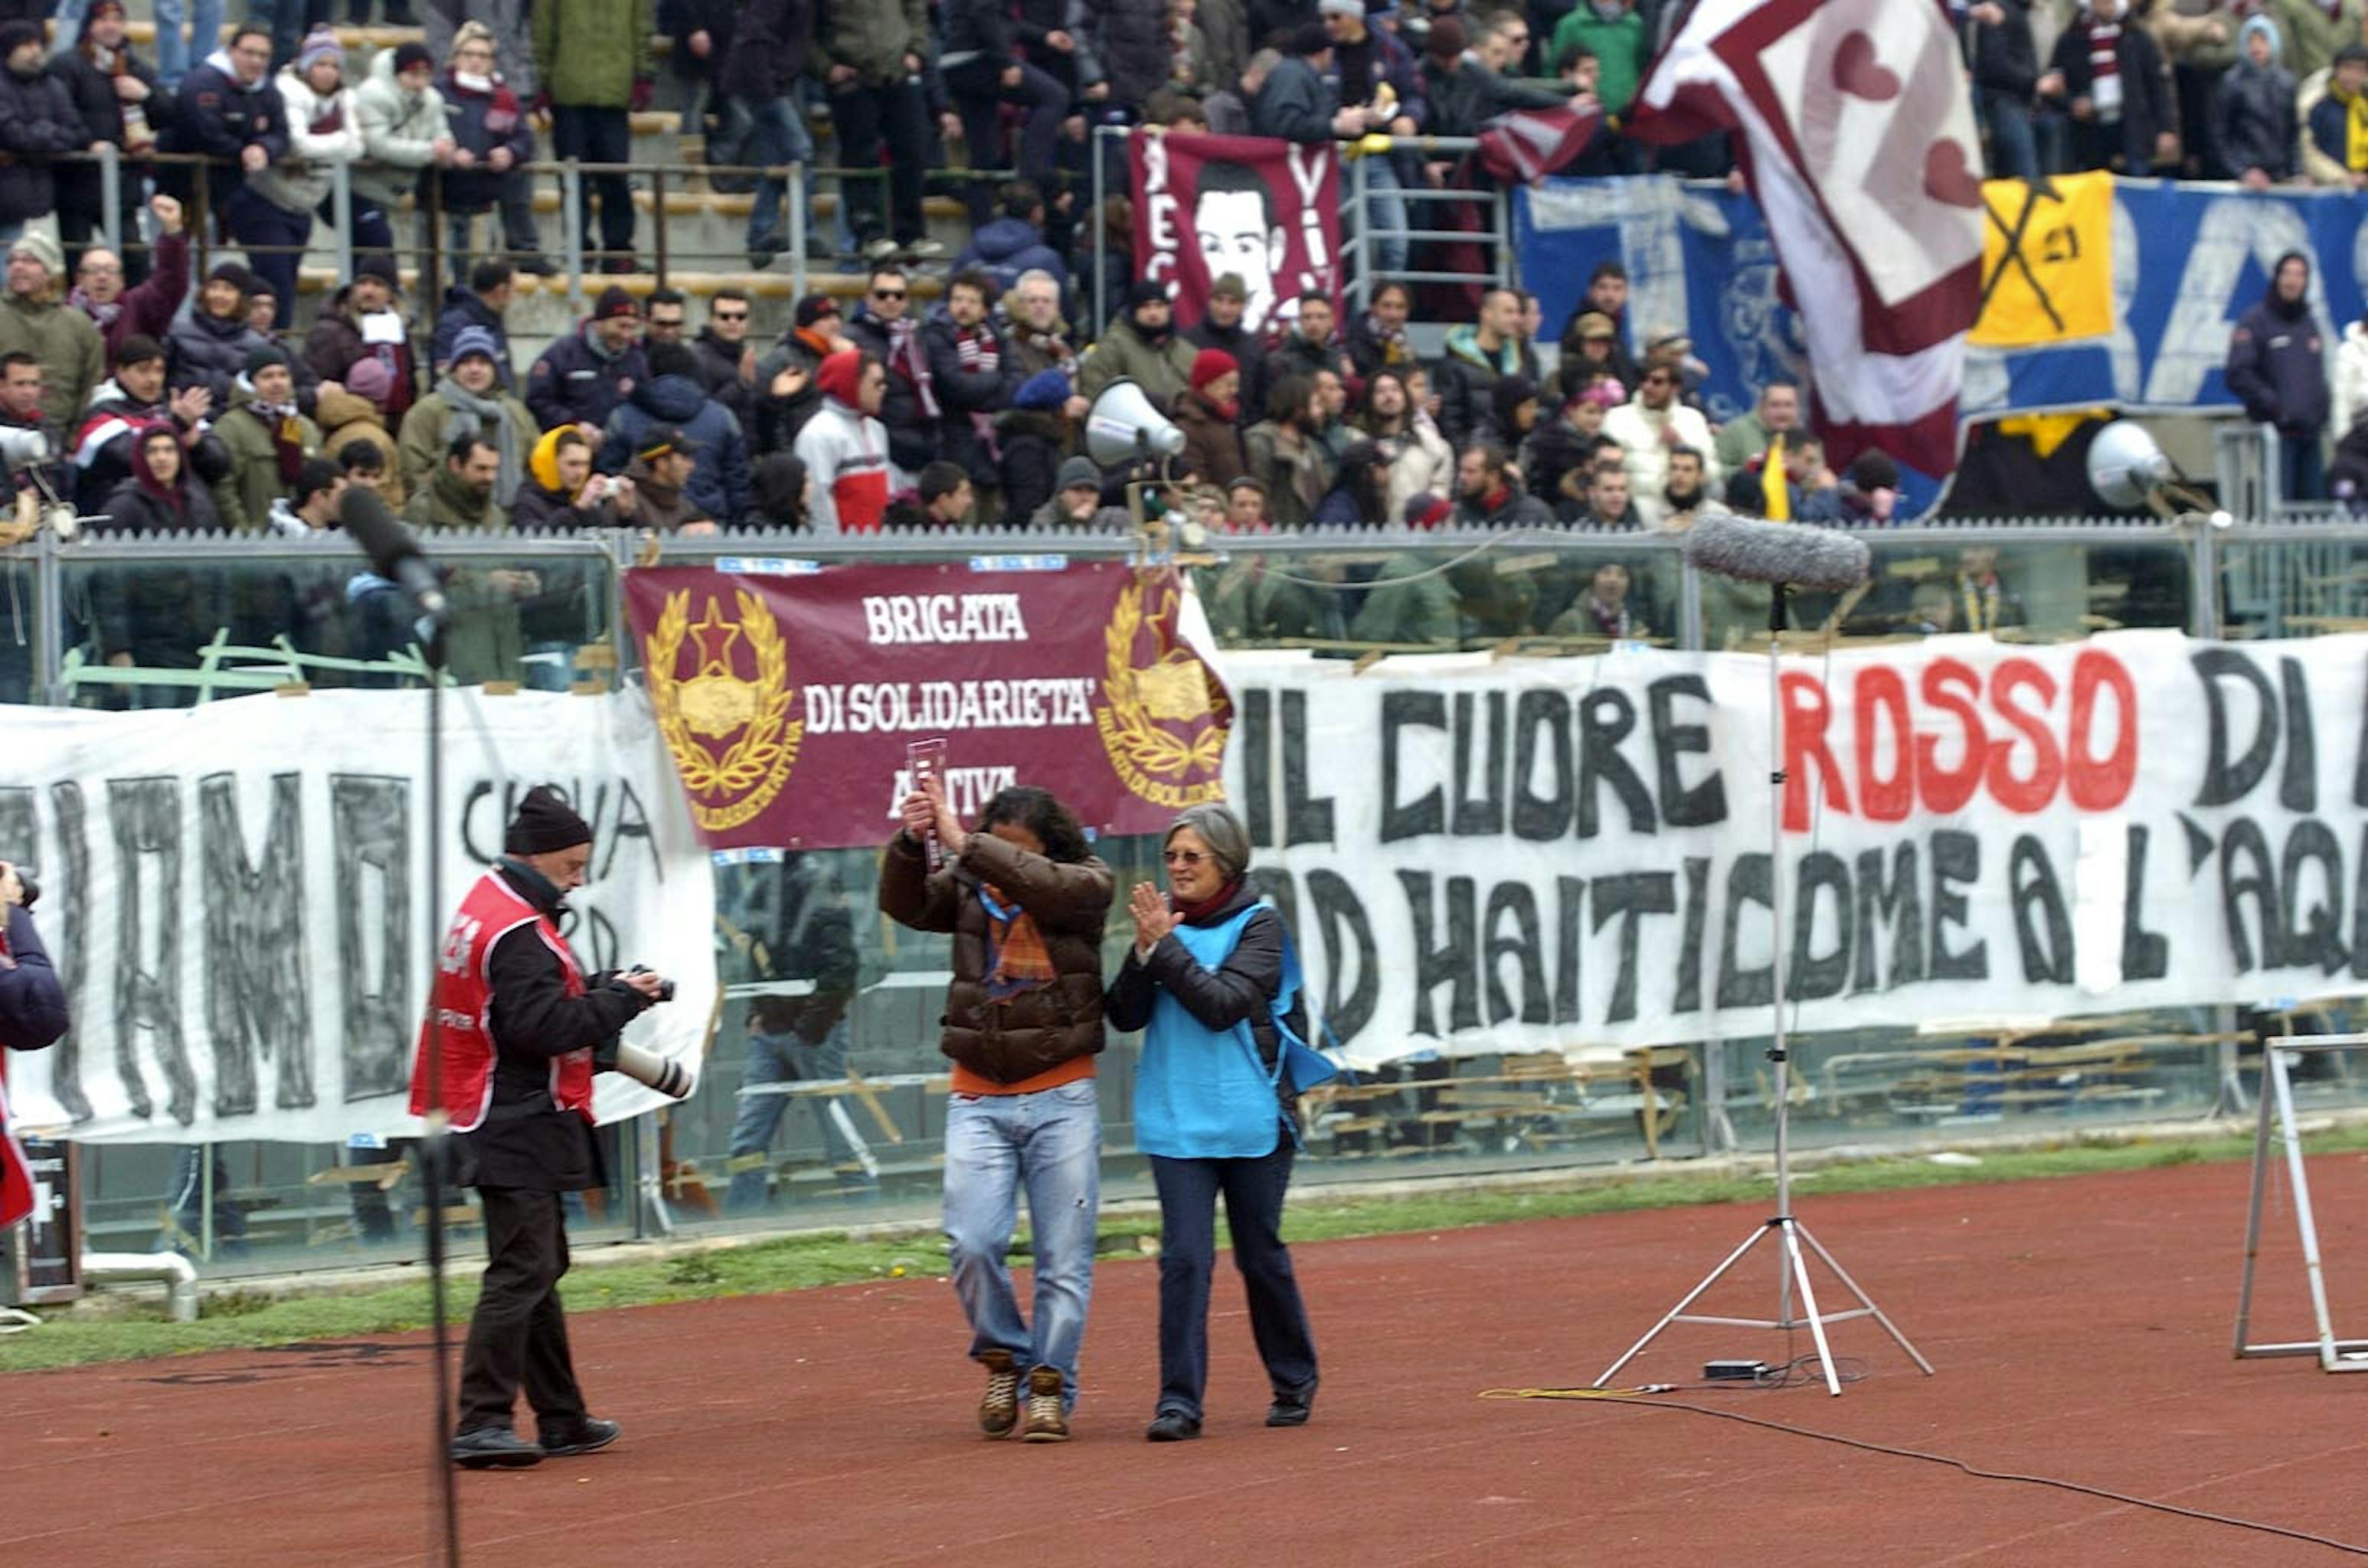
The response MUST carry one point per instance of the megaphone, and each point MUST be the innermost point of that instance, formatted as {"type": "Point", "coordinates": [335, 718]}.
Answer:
{"type": "Point", "coordinates": [2126, 468]}
{"type": "Point", "coordinates": [1123, 428]}
{"type": "Point", "coordinates": [22, 448]}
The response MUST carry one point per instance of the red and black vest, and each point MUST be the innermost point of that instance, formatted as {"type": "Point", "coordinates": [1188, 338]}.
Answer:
{"type": "Point", "coordinates": [461, 1009]}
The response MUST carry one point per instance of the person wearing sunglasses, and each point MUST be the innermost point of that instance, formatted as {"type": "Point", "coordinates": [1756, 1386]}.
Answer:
{"type": "Point", "coordinates": [1213, 982]}
{"type": "Point", "coordinates": [1649, 427]}
{"type": "Point", "coordinates": [1025, 899]}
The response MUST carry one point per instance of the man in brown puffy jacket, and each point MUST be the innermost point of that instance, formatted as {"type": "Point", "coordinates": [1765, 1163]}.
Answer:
{"type": "Point", "coordinates": [1025, 899]}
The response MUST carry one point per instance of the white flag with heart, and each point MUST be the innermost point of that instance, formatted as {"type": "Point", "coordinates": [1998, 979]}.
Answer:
{"type": "Point", "coordinates": [1859, 143]}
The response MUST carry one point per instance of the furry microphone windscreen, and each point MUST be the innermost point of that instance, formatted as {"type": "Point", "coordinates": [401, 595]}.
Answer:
{"type": "Point", "coordinates": [1795, 555]}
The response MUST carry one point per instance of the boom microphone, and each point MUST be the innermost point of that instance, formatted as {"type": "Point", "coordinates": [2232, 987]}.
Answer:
{"type": "Point", "coordinates": [1796, 555]}
{"type": "Point", "coordinates": [393, 552]}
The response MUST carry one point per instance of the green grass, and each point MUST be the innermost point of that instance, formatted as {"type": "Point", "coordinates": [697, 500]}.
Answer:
{"type": "Point", "coordinates": [111, 1329]}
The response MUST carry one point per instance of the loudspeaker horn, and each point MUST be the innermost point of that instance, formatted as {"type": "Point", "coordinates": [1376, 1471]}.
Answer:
{"type": "Point", "coordinates": [1124, 427]}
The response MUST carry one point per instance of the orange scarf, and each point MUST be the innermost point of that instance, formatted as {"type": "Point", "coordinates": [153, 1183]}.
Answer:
{"type": "Point", "coordinates": [1017, 959]}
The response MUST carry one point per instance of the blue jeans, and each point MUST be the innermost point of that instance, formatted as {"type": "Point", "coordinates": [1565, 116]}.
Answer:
{"type": "Point", "coordinates": [1188, 1259]}
{"type": "Point", "coordinates": [172, 55]}
{"type": "Point", "coordinates": [1385, 217]}
{"type": "Point", "coordinates": [780, 137]}
{"type": "Point", "coordinates": [780, 1058]}
{"type": "Point", "coordinates": [1050, 1143]}
{"type": "Point", "coordinates": [2014, 151]}
{"type": "Point", "coordinates": [2302, 470]}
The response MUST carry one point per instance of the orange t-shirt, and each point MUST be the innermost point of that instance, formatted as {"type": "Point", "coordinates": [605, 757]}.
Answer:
{"type": "Point", "coordinates": [969, 1083]}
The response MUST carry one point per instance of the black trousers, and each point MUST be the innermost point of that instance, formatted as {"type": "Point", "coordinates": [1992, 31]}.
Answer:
{"type": "Point", "coordinates": [864, 117]}
{"type": "Point", "coordinates": [519, 1335]}
{"type": "Point", "coordinates": [596, 134]}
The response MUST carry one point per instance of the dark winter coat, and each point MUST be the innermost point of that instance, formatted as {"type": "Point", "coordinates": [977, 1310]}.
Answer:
{"type": "Point", "coordinates": [216, 114]}
{"type": "Point", "coordinates": [2277, 365]}
{"type": "Point", "coordinates": [1035, 445]}
{"type": "Point", "coordinates": [962, 393]}
{"type": "Point", "coordinates": [1005, 247]}
{"type": "Point", "coordinates": [1213, 447]}
{"type": "Point", "coordinates": [573, 383]}
{"type": "Point", "coordinates": [1467, 378]}
{"type": "Point", "coordinates": [873, 36]}
{"type": "Point", "coordinates": [1382, 57]}
{"type": "Point", "coordinates": [1296, 105]}
{"type": "Point", "coordinates": [38, 122]}
{"type": "Point", "coordinates": [911, 433]}
{"type": "Point", "coordinates": [93, 92]}
{"type": "Point", "coordinates": [719, 371]}
{"type": "Point", "coordinates": [463, 309]}
{"type": "Point", "coordinates": [769, 50]}
{"type": "Point", "coordinates": [334, 345]}
{"type": "Point", "coordinates": [160, 614]}
{"type": "Point", "coordinates": [2146, 107]}
{"type": "Point", "coordinates": [1130, 39]}
{"type": "Point", "coordinates": [2004, 58]}
{"type": "Point", "coordinates": [481, 122]}
{"type": "Point", "coordinates": [1515, 508]}
{"type": "Point", "coordinates": [208, 351]}
{"type": "Point", "coordinates": [719, 476]}
{"type": "Point", "coordinates": [1036, 1030]}
{"type": "Point", "coordinates": [1467, 96]}
{"type": "Point", "coordinates": [32, 1003]}
{"type": "Point", "coordinates": [101, 446]}
{"type": "Point", "coordinates": [2253, 120]}
{"type": "Point", "coordinates": [779, 419]}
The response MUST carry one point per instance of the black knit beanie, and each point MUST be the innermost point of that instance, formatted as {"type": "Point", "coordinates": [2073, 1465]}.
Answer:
{"type": "Point", "coordinates": [544, 822]}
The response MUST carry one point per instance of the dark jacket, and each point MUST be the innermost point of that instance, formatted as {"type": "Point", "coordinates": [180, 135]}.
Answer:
{"type": "Point", "coordinates": [1035, 1030]}
{"type": "Point", "coordinates": [2004, 58]}
{"type": "Point", "coordinates": [719, 476]}
{"type": "Point", "coordinates": [1005, 247]}
{"type": "Point", "coordinates": [334, 345]}
{"type": "Point", "coordinates": [1034, 445]}
{"type": "Point", "coordinates": [32, 1002]}
{"type": "Point", "coordinates": [1241, 990]}
{"type": "Point", "coordinates": [1213, 447]}
{"type": "Point", "coordinates": [38, 121]}
{"type": "Point", "coordinates": [1515, 508]}
{"type": "Point", "coordinates": [2277, 365]}
{"type": "Point", "coordinates": [463, 309]}
{"type": "Point", "coordinates": [779, 419]}
{"type": "Point", "coordinates": [101, 446]}
{"type": "Point", "coordinates": [963, 393]}
{"type": "Point", "coordinates": [1467, 378]}
{"type": "Point", "coordinates": [1130, 39]}
{"type": "Point", "coordinates": [872, 36]}
{"type": "Point", "coordinates": [482, 121]}
{"type": "Point", "coordinates": [2331, 129]}
{"type": "Point", "coordinates": [149, 306]}
{"type": "Point", "coordinates": [769, 50]}
{"type": "Point", "coordinates": [93, 92]}
{"type": "Point", "coordinates": [215, 115]}
{"type": "Point", "coordinates": [2146, 107]}
{"type": "Point", "coordinates": [160, 614]}
{"type": "Point", "coordinates": [208, 351]}
{"type": "Point", "coordinates": [719, 371]}
{"type": "Point", "coordinates": [573, 383]}
{"type": "Point", "coordinates": [525, 1139]}
{"type": "Point", "coordinates": [2253, 121]}
{"type": "Point", "coordinates": [1382, 57]}
{"type": "Point", "coordinates": [1464, 98]}
{"type": "Point", "coordinates": [1296, 104]}
{"type": "Point", "coordinates": [912, 435]}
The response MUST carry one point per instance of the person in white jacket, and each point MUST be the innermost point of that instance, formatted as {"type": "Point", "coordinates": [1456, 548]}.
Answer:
{"type": "Point", "coordinates": [1646, 426]}
{"type": "Point", "coordinates": [402, 126]}
{"type": "Point", "coordinates": [2351, 380]}
{"type": "Point", "coordinates": [845, 447]}
{"type": "Point", "coordinates": [323, 132]}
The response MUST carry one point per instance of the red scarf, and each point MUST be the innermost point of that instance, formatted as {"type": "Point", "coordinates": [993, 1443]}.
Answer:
{"type": "Point", "coordinates": [287, 431]}
{"type": "Point", "coordinates": [1196, 913]}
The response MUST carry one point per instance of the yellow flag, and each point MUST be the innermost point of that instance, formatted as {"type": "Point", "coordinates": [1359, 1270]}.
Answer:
{"type": "Point", "coordinates": [2047, 261]}
{"type": "Point", "coordinates": [1776, 494]}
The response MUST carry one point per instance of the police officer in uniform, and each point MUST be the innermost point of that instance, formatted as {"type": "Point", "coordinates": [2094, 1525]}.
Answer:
{"type": "Point", "coordinates": [522, 1031]}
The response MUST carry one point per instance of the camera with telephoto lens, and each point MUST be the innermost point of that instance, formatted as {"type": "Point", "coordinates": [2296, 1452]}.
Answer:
{"type": "Point", "coordinates": [665, 987]}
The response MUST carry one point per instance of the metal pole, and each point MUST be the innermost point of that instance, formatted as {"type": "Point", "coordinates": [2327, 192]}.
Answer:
{"type": "Point", "coordinates": [49, 655]}
{"type": "Point", "coordinates": [571, 230]}
{"type": "Point", "coordinates": [111, 194]}
{"type": "Point", "coordinates": [658, 216]}
{"type": "Point", "coordinates": [1101, 239]}
{"type": "Point", "coordinates": [341, 209]}
{"type": "Point", "coordinates": [1360, 201]}
{"type": "Point", "coordinates": [794, 198]}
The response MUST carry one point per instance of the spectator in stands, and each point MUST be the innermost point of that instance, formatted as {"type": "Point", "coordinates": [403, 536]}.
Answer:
{"type": "Point", "coordinates": [673, 399]}
{"type": "Point", "coordinates": [1228, 108]}
{"type": "Point", "coordinates": [582, 377]}
{"type": "Point", "coordinates": [1077, 502]}
{"type": "Point", "coordinates": [1032, 325]}
{"type": "Point", "coordinates": [32, 320]}
{"type": "Point", "coordinates": [146, 310]}
{"type": "Point", "coordinates": [267, 438]}
{"type": "Point", "coordinates": [941, 498]}
{"type": "Point", "coordinates": [1376, 339]}
{"type": "Point", "coordinates": [1608, 504]}
{"type": "Point", "coordinates": [1988, 603]}
{"type": "Point", "coordinates": [1647, 427]}
{"type": "Point", "coordinates": [146, 616]}
{"type": "Point", "coordinates": [972, 374]}
{"type": "Point", "coordinates": [845, 447]}
{"type": "Point", "coordinates": [1605, 609]}
{"type": "Point", "coordinates": [763, 124]}
{"type": "Point", "coordinates": [491, 138]}
{"type": "Point", "coordinates": [120, 103]}
{"type": "Point", "coordinates": [362, 321]}
{"type": "Point", "coordinates": [228, 110]}
{"type": "Point", "coordinates": [460, 492]}
{"type": "Point", "coordinates": [1297, 104]}
{"type": "Point", "coordinates": [1778, 483]}
{"type": "Point", "coordinates": [1285, 454]}
{"type": "Point", "coordinates": [278, 204]}
{"type": "Point", "coordinates": [869, 57]}
{"type": "Point", "coordinates": [703, 35]}
{"type": "Point", "coordinates": [21, 409]}
{"type": "Point", "coordinates": [263, 310]}
{"type": "Point", "coordinates": [1370, 68]}
{"type": "Point", "coordinates": [1307, 348]}
{"type": "Point", "coordinates": [174, 50]}
{"type": "Point", "coordinates": [355, 413]}
{"type": "Point", "coordinates": [726, 359]}
{"type": "Point", "coordinates": [1683, 492]}
{"type": "Point", "coordinates": [1222, 326]}
{"type": "Point", "coordinates": [1035, 436]}
{"type": "Point", "coordinates": [369, 467]}
{"type": "Point", "coordinates": [786, 391]}
{"type": "Point", "coordinates": [983, 70]}
{"type": "Point", "coordinates": [123, 407]}
{"type": "Point", "coordinates": [209, 346]}
{"type": "Point", "coordinates": [561, 492]}
{"type": "Point", "coordinates": [309, 506]}
{"type": "Point", "coordinates": [1420, 459]}
{"type": "Point", "coordinates": [1488, 493]}
{"type": "Point", "coordinates": [2314, 30]}
{"type": "Point", "coordinates": [1613, 31]}
{"type": "Point", "coordinates": [594, 56]}
{"type": "Point", "coordinates": [1556, 458]}
{"type": "Point", "coordinates": [2253, 127]}
{"type": "Point", "coordinates": [782, 492]}
{"type": "Point", "coordinates": [1360, 491]}
{"type": "Point", "coordinates": [2277, 369]}
{"type": "Point", "coordinates": [1866, 495]}
{"type": "Point", "coordinates": [468, 401]}
{"type": "Point", "coordinates": [666, 316]}
{"type": "Point", "coordinates": [1466, 90]}
{"type": "Point", "coordinates": [2108, 76]}
{"type": "Point", "coordinates": [1012, 245]}
{"type": "Point", "coordinates": [485, 304]}
{"type": "Point", "coordinates": [405, 129]}
{"type": "Point", "coordinates": [1142, 344]}
{"type": "Point", "coordinates": [886, 328]}
{"type": "Point", "coordinates": [1209, 413]}
{"type": "Point", "coordinates": [1930, 612]}
{"type": "Point", "coordinates": [1476, 355]}
{"type": "Point", "coordinates": [1512, 413]}
{"type": "Point", "coordinates": [661, 474]}
{"type": "Point", "coordinates": [1777, 413]}
{"type": "Point", "coordinates": [2337, 149]}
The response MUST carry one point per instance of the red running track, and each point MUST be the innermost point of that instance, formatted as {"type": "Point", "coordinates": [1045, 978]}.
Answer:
{"type": "Point", "coordinates": [2080, 1328]}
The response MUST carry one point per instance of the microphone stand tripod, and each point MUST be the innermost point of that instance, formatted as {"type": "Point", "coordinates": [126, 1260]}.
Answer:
{"type": "Point", "coordinates": [1791, 1268]}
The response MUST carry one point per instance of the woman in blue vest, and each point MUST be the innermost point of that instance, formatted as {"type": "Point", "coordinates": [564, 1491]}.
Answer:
{"type": "Point", "coordinates": [1211, 977]}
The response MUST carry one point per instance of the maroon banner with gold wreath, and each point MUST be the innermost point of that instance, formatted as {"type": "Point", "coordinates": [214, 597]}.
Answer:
{"type": "Point", "coordinates": [788, 701]}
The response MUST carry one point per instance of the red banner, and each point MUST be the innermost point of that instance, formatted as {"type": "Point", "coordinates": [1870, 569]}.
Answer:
{"type": "Point", "coordinates": [788, 701]}
{"type": "Point", "coordinates": [1208, 205]}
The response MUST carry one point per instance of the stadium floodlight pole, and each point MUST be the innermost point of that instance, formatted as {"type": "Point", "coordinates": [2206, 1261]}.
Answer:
{"type": "Point", "coordinates": [1783, 556]}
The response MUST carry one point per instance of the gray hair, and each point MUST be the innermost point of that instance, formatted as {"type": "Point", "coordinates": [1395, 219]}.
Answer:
{"type": "Point", "coordinates": [1222, 831]}
{"type": "Point", "coordinates": [1037, 275]}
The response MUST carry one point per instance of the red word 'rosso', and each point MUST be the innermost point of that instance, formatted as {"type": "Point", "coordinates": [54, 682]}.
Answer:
{"type": "Point", "coordinates": [1954, 740]}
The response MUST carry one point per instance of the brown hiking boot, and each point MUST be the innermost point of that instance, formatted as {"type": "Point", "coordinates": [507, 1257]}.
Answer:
{"type": "Point", "coordinates": [998, 1408]}
{"type": "Point", "coordinates": [1045, 1424]}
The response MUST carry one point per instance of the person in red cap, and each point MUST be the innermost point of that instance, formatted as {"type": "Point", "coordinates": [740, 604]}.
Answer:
{"type": "Point", "coordinates": [845, 447]}
{"type": "Point", "coordinates": [1208, 414]}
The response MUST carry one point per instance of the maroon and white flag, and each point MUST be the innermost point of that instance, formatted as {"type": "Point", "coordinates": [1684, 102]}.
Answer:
{"type": "Point", "coordinates": [1528, 144]}
{"type": "Point", "coordinates": [1859, 143]}
{"type": "Point", "coordinates": [1267, 210]}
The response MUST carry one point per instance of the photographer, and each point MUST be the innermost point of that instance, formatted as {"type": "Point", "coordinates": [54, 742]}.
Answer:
{"type": "Point", "coordinates": [523, 1029]}
{"type": "Point", "coordinates": [32, 1017]}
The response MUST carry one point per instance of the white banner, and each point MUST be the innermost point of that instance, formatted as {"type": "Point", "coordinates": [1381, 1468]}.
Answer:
{"type": "Point", "coordinates": [236, 896]}
{"type": "Point", "coordinates": [1549, 855]}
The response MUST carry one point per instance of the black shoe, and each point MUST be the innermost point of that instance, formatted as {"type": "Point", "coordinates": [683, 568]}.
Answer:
{"type": "Point", "coordinates": [1291, 1409]}
{"type": "Point", "coordinates": [578, 1437]}
{"type": "Point", "coordinates": [489, 1445]}
{"type": "Point", "coordinates": [536, 265]}
{"type": "Point", "coordinates": [620, 262]}
{"type": "Point", "coordinates": [1171, 1426]}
